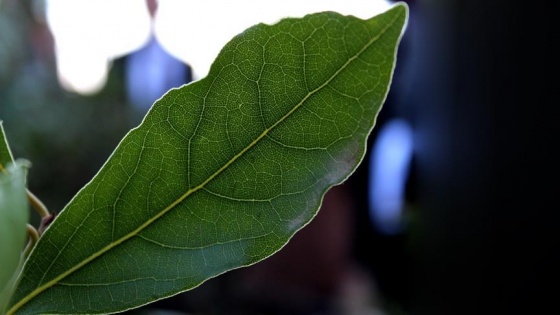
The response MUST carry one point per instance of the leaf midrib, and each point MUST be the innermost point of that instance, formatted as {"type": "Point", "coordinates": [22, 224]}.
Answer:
{"type": "Point", "coordinates": [191, 191]}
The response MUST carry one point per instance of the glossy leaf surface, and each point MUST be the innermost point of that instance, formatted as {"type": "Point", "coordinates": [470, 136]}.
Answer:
{"type": "Point", "coordinates": [222, 172]}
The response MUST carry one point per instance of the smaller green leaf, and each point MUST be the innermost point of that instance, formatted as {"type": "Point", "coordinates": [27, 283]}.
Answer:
{"type": "Point", "coordinates": [14, 215]}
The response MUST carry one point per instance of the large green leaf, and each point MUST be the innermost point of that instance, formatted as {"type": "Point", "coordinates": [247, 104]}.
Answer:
{"type": "Point", "coordinates": [14, 215]}
{"type": "Point", "coordinates": [222, 172]}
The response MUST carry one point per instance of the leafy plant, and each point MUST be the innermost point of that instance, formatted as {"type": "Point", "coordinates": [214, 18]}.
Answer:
{"type": "Point", "coordinates": [220, 174]}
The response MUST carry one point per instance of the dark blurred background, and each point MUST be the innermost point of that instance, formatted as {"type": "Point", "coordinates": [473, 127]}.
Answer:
{"type": "Point", "coordinates": [475, 226]}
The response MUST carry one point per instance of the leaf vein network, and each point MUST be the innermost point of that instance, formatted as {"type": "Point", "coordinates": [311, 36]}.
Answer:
{"type": "Point", "coordinates": [43, 286]}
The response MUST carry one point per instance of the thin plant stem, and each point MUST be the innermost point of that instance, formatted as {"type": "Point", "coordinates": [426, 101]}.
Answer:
{"type": "Point", "coordinates": [37, 204]}
{"type": "Point", "coordinates": [33, 238]}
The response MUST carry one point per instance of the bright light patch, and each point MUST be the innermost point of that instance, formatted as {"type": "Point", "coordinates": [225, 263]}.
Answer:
{"type": "Point", "coordinates": [195, 33]}
{"type": "Point", "coordinates": [389, 167]}
{"type": "Point", "coordinates": [89, 34]}
{"type": "Point", "coordinates": [81, 70]}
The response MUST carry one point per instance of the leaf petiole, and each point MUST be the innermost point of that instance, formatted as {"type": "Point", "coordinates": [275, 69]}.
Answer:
{"type": "Point", "coordinates": [37, 204]}
{"type": "Point", "coordinates": [33, 238]}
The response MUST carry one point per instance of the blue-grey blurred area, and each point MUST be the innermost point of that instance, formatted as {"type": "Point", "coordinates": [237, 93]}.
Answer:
{"type": "Point", "coordinates": [150, 72]}
{"type": "Point", "coordinates": [468, 223]}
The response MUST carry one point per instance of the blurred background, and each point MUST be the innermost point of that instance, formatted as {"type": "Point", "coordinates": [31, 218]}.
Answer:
{"type": "Point", "coordinates": [453, 211]}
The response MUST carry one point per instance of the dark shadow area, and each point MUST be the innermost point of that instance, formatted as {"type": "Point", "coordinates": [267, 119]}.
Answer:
{"type": "Point", "coordinates": [485, 240]}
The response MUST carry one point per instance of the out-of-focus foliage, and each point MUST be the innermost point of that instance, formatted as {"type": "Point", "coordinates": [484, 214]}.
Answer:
{"type": "Point", "coordinates": [14, 214]}
{"type": "Point", "coordinates": [67, 137]}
